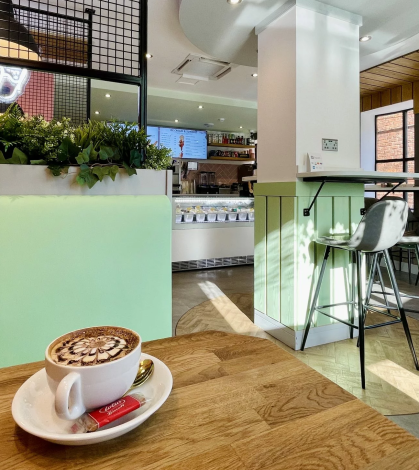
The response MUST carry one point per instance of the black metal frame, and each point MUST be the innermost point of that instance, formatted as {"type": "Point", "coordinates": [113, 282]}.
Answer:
{"type": "Point", "coordinates": [404, 160]}
{"type": "Point", "coordinates": [335, 179]}
{"type": "Point", "coordinates": [90, 72]}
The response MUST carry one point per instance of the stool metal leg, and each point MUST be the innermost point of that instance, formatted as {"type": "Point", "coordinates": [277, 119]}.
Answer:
{"type": "Point", "coordinates": [383, 286]}
{"type": "Point", "coordinates": [353, 289]}
{"type": "Point", "coordinates": [361, 313]}
{"type": "Point", "coordinates": [401, 308]}
{"type": "Point", "coordinates": [409, 264]}
{"type": "Point", "coordinates": [316, 296]}
{"type": "Point", "coordinates": [369, 288]}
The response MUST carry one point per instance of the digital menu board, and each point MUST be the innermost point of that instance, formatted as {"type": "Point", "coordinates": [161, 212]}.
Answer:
{"type": "Point", "coordinates": [153, 135]}
{"type": "Point", "coordinates": [184, 143]}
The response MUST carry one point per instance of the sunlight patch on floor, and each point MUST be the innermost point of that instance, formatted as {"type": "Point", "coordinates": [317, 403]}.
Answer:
{"type": "Point", "coordinates": [397, 376]}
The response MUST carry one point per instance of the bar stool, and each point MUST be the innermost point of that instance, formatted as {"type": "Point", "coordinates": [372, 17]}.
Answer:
{"type": "Point", "coordinates": [382, 227]}
{"type": "Point", "coordinates": [410, 242]}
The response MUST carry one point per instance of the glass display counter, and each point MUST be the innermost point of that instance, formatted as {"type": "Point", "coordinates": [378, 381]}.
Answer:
{"type": "Point", "coordinates": [198, 211]}
{"type": "Point", "coordinates": [212, 231]}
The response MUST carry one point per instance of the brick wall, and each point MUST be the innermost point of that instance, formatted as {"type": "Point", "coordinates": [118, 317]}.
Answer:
{"type": "Point", "coordinates": [224, 174]}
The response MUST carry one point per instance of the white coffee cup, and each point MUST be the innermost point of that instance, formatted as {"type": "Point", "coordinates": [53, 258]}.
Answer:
{"type": "Point", "coordinates": [82, 388]}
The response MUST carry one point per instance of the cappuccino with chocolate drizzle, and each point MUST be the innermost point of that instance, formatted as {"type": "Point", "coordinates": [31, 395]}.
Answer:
{"type": "Point", "coordinates": [93, 346]}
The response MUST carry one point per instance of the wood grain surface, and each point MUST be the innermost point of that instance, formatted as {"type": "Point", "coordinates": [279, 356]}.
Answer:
{"type": "Point", "coordinates": [238, 402]}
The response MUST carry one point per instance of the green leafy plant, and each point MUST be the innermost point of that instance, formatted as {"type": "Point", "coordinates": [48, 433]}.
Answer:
{"type": "Point", "coordinates": [99, 148]}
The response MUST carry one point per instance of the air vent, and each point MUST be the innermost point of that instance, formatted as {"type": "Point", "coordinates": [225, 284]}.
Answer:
{"type": "Point", "coordinates": [187, 81]}
{"type": "Point", "coordinates": [212, 263]}
{"type": "Point", "coordinates": [199, 68]}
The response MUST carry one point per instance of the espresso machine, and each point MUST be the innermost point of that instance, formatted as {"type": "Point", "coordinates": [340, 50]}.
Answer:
{"type": "Point", "coordinates": [206, 183]}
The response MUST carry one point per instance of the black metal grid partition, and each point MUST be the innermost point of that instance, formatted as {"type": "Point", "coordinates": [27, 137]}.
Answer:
{"type": "Point", "coordinates": [93, 39]}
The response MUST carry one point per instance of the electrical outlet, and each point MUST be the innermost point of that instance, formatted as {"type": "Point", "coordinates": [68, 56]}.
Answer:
{"type": "Point", "coordinates": [330, 145]}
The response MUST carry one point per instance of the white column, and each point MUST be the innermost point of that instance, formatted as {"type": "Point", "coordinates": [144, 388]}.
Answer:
{"type": "Point", "coordinates": [308, 89]}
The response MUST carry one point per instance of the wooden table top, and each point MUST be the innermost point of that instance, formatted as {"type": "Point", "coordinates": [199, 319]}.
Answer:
{"type": "Point", "coordinates": [238, 402]}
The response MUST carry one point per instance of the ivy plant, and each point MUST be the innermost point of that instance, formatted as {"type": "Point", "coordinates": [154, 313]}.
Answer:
{"type": "Point", "coordinates": [100, 149]}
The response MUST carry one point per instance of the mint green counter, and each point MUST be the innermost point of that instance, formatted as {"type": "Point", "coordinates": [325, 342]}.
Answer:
{"type": "Point", "coordinates": [67, 262]}
{"type": "Point", "coordinates": [287, 259]}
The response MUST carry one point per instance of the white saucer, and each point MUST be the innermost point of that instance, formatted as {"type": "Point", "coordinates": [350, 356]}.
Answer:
{"type": "Point", "coordinates": [33, 409]}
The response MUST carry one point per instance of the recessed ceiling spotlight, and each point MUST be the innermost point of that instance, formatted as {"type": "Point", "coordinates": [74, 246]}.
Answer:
{"type": "Point", "coordinates": [241, 127]}
{"type": "Point", "coordinates": [148, 56]}
{"type": "Point", "coordinates": [254, 75]}
{"type": "Point", "coordinates": [365, 38]}
{"type": "Point", "coordinates": [107, 95]}
{"type": "Point", "coordinates": [234, 2]}
{"type": "Point", "coordinates": [176, 120]}
{"type": "Point", "coordinates": [200, 106]}
{"type": "Point", "coordinates": [97, 112]}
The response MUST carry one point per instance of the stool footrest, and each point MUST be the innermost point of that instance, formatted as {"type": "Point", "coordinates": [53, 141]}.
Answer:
{"type": "Point", "coordinates": [371, 307]}
{"type": "Point", "coordinates": [337, 319]}
{"type": "Point", "coordinates": [336, 305]}
{"type": "Point", "coordinates": [378, 325]}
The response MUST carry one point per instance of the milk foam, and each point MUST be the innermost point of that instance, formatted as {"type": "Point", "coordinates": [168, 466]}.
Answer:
{"type": "Point", "coordinates": [90, 350]}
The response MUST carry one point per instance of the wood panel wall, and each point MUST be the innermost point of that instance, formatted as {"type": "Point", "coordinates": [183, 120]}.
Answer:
{"type": "Point", "coordinates": [409, 91]}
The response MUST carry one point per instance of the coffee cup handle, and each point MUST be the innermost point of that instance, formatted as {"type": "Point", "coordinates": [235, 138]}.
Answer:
{"type": "Point", "coordinates": [69, 385]}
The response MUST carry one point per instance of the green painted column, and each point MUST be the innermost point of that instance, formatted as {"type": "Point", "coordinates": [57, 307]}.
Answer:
{"type": "Point", "coordinates": [286, 257]}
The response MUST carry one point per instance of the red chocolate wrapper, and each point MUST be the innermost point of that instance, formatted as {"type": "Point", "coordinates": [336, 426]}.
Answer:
{"type": "Point", "coordinates": [96, 419]}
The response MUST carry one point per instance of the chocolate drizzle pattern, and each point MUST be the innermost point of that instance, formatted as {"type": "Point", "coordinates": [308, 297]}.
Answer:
{"type": "Point", "coordinates": [87, 351]}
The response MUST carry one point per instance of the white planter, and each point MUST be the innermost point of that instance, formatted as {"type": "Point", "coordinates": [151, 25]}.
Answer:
{"type": "Point", "coordinates": [37, 180]}
{"type": "Point", "coordinates": [200, 218]}
{"type": "Point", "coordinates": [232, 216]}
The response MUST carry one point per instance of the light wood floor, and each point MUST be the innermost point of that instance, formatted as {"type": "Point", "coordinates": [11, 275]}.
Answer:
{"type": "Point", "coordinates": [392, 381]}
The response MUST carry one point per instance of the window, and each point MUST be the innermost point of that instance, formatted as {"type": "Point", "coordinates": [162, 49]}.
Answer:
{"type": "Point", "coordinates": [395, 144]}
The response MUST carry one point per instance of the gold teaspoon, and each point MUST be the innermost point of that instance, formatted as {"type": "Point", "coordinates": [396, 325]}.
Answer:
{"type": "Point", "coordinates": [145, 370]}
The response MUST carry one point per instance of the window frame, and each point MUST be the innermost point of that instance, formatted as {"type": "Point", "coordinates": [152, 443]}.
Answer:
{"type": "Point", "coordinates": [405, 158]}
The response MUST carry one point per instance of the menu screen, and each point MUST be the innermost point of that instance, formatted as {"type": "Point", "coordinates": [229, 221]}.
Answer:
{"type": "Point", "coordinates": [153, 135]}
{"type": "Point", "coordinates": [184, 143]}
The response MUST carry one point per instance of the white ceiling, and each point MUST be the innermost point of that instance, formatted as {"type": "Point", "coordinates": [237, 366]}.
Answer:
{"type": "Point", "coordinates": [227, 31]}
{"type": "Point", "coordinates": [169, 46]}
{"type": "Point", "coordinates": [163, 109]}
{"type": "Point", "coordinates": [219, 30]}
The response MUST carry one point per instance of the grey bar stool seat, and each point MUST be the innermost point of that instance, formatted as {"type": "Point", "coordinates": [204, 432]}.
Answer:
{"type": "Point", "coordinates": [382, 227]}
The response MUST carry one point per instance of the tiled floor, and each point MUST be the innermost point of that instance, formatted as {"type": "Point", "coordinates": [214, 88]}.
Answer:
{"type": "Point", "coordinates": [193, 288]}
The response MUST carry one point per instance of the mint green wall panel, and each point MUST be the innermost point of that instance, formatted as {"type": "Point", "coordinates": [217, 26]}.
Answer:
{"type": "Point", "coordinates": [288, 260]}
{"type": "Point", "coordinates": [273, 268]}
{"type": "Point", "coordinates": [305, 257]}
{"type": "Point", "coordinates": [260, 254]}
{"type": "Point", "coordinates": [68, 262]}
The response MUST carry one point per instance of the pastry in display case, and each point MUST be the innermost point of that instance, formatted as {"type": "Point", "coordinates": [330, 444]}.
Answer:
{"type": "Point", "coordinates": [213, 210]}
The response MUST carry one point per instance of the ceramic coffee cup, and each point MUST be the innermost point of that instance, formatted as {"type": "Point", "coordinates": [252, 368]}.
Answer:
{"type": "Point", "coordinates": [89, 368]}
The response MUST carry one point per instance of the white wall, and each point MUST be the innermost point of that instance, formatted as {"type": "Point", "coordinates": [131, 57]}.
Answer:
{"type": "Point", "coordinates": [277, 100]}
{"type": "Point", "coordinates": [368, 131]}
{"type": "Point", "coordinates": [327, 89]}
{"type": "Point", "coordinates": [308, 90]}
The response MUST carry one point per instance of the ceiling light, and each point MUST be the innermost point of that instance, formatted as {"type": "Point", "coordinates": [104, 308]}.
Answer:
{"type": "Point", "coordinates": [148, 56]}
{"type": "Point", "coordinates": [234, 2]}
{"type": "Point", "coordinates": [365, 38]}
{"type": "Point", "coordinates": [200, 106]}
{"type": "Point", "coordinates": [241, 127]}
{"type": "Point", "coordinates": [107, 95]}
{"type": "Point", "coordinates": [176, 120]}
{"type": "Point", "coordinates": [97, 112]}
{"type": "Point", "coordinates": [254, 74]}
